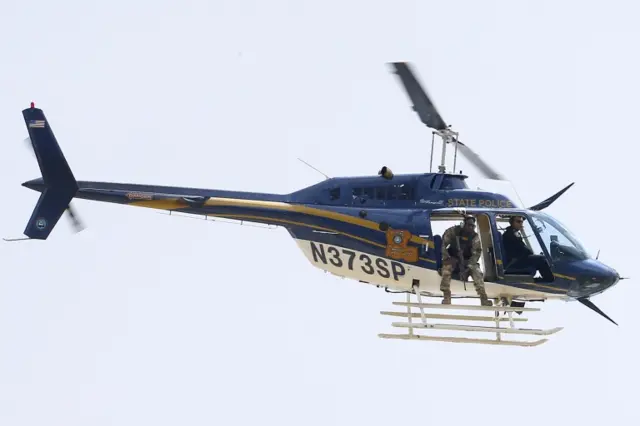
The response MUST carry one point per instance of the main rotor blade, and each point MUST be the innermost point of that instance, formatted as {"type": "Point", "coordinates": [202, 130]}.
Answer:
{"type": "Point", "coordinates": [486, 169]}
{"type": "Point", "coordinates": [589, 304]}
{"type": "Point", "coordinates": [422, 105]}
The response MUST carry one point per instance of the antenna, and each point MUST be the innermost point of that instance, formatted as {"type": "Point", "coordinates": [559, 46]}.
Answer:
{"type": "Point", "coordinates": [327, 177]}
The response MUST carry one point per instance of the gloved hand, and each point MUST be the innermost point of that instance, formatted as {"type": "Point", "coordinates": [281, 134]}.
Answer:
{"type": "Point", "coordinates": [449, 260]}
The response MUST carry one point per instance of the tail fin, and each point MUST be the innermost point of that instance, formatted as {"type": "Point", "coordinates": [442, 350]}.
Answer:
{"type": "Point", "coordinates": [58, 187]}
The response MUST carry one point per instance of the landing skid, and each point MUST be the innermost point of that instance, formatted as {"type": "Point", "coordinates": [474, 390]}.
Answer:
{"type": "Point", "coordinates": [423, 324]}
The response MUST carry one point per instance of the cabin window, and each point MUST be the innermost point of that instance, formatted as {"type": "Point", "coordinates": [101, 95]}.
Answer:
{"type": "Point", "coordinates": [450, 182]}
{"type": "Point", "coordinates": [369, 192]}
{"type": "Point", "coordinates": [334, 194]}
{"type": "Point", "coordinates": [387, 192]}
{"type": "Point", "coordinates": [364, 193]}
{"type": "Point", "coordinates": [406, 192]}
{"type": "Point", "coordinates": [401, 192]}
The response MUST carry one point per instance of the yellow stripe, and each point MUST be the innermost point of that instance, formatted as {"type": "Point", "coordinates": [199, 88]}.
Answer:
{"type": "Point", "coordinates": [307, 210]}
{"type": "Point", "coordinates": [177, 203]}
{"type": "Point", "coordinates": [322, 228]}
{"type": "Point", "coordinates": [168, 204]}
{"type": "Point", "coordinates": [563, 290]}
{"type": "Point", "coordinates": [566, 277]}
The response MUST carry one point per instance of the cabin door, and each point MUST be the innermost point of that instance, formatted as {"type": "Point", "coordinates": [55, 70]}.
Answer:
{"type": "Point", "coordinates": [421, 227]}
{"type": "Point", "coordinates": [485, 229]}
{"type": "Point", "coordinates": [440, 222]}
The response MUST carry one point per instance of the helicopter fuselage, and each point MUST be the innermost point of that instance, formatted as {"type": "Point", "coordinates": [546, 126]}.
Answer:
{"type": "Point", "coordinates": [346, 226]}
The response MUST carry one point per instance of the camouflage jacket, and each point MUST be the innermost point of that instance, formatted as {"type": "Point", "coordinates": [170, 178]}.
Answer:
{"type": "Point", "coordinates": [470, 245]}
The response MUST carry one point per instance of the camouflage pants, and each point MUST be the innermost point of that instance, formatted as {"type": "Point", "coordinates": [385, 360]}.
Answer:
{"type": "Point", "coordinates": [472, 269]}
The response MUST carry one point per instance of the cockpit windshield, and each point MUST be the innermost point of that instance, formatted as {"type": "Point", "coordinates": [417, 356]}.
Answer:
{"type": "Point", "coordinates": [558, 240]}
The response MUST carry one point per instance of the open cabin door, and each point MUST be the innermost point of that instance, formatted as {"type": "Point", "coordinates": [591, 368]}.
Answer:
{"type": "Point", "coordinates": [485, 227]}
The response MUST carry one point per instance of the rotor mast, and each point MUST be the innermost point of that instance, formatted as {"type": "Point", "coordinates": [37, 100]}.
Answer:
{"type": "Point", "coordinates": [448, 136]}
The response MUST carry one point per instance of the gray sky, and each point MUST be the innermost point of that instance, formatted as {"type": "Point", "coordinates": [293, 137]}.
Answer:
{"type": "Point", "coordinates": [148, 319]}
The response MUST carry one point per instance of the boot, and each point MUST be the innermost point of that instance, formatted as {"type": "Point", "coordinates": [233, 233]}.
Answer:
{"type": "Point", "coordinates": [484, 300]}
{"type": "Point", "coordinates": [446, 298]}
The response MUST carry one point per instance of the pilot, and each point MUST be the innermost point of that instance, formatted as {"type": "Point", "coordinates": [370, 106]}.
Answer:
{"type": "Point", "coordinates": [457, 240]}
{"type": "Point", "coordinates": [518, 255]}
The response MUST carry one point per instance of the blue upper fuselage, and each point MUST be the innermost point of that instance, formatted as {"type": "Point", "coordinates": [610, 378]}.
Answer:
{"type": "Point", "coordinates": [423, 191]}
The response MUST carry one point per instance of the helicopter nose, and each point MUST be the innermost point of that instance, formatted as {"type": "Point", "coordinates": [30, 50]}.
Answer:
{"type": "Point", "coordinates": [599, 282]}
{"type": "Point", "coordinates": [616, 279]}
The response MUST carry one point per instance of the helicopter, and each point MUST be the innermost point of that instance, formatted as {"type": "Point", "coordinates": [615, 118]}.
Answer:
{"type": "Point", "coordinates": [382, 230]}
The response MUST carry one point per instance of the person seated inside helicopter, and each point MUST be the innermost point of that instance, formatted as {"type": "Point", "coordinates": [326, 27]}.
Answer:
{"type": "Point", "coordinates": [518, 255]}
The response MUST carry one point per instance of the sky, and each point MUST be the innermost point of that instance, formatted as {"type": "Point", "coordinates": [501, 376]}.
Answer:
{"type": "Point", "coordinates": [145, 318]}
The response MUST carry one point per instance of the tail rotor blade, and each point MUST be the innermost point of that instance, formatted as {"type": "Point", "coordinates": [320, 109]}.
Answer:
{"type": "Point", "coordinates": [28, 144]}
{"type": "Point", "coordinates": [75, 220]}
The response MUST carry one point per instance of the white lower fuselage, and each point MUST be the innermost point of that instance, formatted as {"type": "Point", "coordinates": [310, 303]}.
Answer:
{"type": "Point", "coordinates": [400, 276]}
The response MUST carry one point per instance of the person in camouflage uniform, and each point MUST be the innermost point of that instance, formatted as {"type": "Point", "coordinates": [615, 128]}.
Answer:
{"type": "Point", "coordinates": [462, 239]}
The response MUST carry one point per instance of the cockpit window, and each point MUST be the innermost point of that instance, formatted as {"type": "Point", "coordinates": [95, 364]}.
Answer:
{"type": "Point", "coordinates": [528, 236]}
{"type": "Point", "coordinates": [558, 240]}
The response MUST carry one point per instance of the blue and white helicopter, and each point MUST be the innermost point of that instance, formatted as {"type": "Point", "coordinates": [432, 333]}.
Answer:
{"type": "Point", "coordinates": [383, 230]}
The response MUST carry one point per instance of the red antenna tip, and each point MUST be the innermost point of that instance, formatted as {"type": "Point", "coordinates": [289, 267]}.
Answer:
{"type": "Point", "coordinates": [33, 105]}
